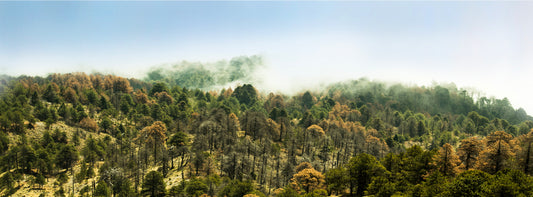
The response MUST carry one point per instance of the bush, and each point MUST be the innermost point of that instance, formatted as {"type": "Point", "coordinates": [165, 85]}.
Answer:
{"type": "Point", "coordinates": [61, 179]}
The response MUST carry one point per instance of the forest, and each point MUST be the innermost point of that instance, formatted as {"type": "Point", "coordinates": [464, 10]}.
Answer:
{"type": "Point", "coordinates": [78, 134]}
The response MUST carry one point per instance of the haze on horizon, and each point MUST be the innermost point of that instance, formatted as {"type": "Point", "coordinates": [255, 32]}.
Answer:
{"type": "Point", "coordinates": [485, 45]}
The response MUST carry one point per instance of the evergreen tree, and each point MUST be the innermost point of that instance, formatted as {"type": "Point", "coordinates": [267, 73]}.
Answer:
{"type": "Point", "coordinates": [153, 185]}
{"type": "Point", "coordinates": [447, 161]}
{"type": "Point", "coordinates": [102, 190]}
{"type": "Point", "coordinates": [361, 169]}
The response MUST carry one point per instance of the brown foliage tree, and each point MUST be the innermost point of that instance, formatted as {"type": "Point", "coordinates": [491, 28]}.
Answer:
{"type": "Point", "coordinates": [344, 112]}
{"type": "Point", "coordinates": [97, 81]}
{"type": "Point", "coordinates": [274, 101]}
{"type": "Point", "coordinates": [308, 180]}
{"type": "Point", "coordinates": [141, 97]}
{"type": "Point", "coordinates": [498, 150]}
{"type": "Point", "coordinates": [89, 124]}
{"type": "Point", "coordinates": [164, 97]}
{"type": "Point", "coordinates": [70, 95]}
{"type": "Point", "coordinates": [273, 129]}
{"type": "Point", "coordinates": [468, 152]}
{"type": "Point", "coordinates": [121, 85]}
{"type": "Point", "coordinates": [234, 124]}
{"type": "Point", "coordinates": [227, 93]}
{"type": "Point", "coordinates": [447, 161]}
{"type": "Point", "coordinates": [375, 146]}
{"type": "Point", "coordinates": [316, 131]}
{"type": "Point", "coordinates": [154, 135]}
{"type": "Point", "coordinates": [303, 166]}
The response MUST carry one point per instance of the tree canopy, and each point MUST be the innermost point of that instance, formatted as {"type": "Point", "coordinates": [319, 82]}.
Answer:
{"type": "Point", "coordinates": [204, 134]}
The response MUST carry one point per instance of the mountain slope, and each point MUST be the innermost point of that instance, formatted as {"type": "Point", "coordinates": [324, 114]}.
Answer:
{"type": "Point", "coordinates": [112, 133]}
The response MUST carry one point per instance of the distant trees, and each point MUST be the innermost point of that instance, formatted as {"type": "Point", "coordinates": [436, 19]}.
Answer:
{"type": "Point", "coordinates": [70, 95]}
{"type": "Point", "coordinates": [106, 124]}
{"type": "Point", "coordinates": [206, 75]}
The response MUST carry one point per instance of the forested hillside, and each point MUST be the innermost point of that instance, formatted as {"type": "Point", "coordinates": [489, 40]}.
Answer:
{"type": "Point", "coordinates": [104, 135]}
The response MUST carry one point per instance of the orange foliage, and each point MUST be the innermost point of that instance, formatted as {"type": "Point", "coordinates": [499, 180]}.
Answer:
{"type": "Point", "coordinates": [316, 130]}
{"type": "Point", "coordinates": [344, 112]}
{"type": "Point", "coordinates": [375, 146]}
{"type": "Point", "coordinates": [108, 83]}
{"type": "Point", "coordinates": [82, 81]}
{"type": "Point", "coordinates": [141, 97]}
{"type": "Point", "coordinates": [154, 134]}
{"type": "Point", "coordinates": [35, 88]}
{"type": "Point", "coordinates": [234, 123]}
{"type": "Point", "coordinates": [303, 166]}
{"type": "Point", "coordinates": [89, 124]}
{"type": "Point", "coordinates": [499, 148]}
{"type": "Point", "coordinates": [97, 81]}
{"type": "Point", "coordinates": [228, 93]}
{"type": "Point", "coordinates": [468, 152]}
{"type": "Point", "coordinates": [308, 180]}
{"type": "Point", "coordinates": [121, 85]}
{"type": "Point", "coordinates": [273, 128]}
{"type": "Point", "coordinates": [274, 101]}
{"type": "Point", "coordinates": [447, 161]}
{"type": "Point", "coordinates": [70, 95]}
{"type": "Point", "coordinates": [213, 93]}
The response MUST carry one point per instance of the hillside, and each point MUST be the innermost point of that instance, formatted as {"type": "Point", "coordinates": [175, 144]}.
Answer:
{"type": "Point", "coordinates": [103, 135]}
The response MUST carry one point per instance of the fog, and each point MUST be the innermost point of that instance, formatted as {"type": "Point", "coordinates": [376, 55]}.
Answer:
{"type": "Point", "coordinates": [303, 45]}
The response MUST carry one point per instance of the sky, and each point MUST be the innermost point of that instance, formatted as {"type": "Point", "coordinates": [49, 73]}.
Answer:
{"type": "Point", "coordinates": [486, 46]}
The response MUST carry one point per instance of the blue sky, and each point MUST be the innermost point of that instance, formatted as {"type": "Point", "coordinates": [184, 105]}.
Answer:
{"type": "Point", "coordinates": [485, 45]}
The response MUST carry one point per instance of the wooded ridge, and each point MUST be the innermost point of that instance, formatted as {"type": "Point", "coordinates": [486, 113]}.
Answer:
{"type": "Point", "coordinates": [104, 135]}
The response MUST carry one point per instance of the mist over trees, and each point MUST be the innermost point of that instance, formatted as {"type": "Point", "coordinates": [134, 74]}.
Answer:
{"type": "Point", "coordinates": [92, 134]}
{"type": "Point", "coordinates": [437, 99]}
{"type": "Point", "coordinates": [208, 75]}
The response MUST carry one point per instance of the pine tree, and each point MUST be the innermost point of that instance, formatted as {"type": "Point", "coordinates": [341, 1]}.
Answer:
{"type": "Point", "coordinates": [153, 185]}
{"type": "Point", "coordinates": [361, 169]}
{"type": "Point", "coordinates": [155, 136]}
{"type": "Point", "coordinates": [468, 152]}
{"type": "Point", "coordinates": [447, 161]}
{"type": "Point", "coordinates": [498, 150]}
